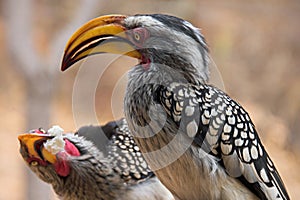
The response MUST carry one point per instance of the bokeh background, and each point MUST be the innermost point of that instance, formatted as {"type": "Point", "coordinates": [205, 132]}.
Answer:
{"type": "Point", "coordinates": [255, 44]}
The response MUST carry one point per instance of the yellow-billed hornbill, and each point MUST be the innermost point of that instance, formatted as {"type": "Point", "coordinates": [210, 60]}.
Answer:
{"type": "Point", "coordinates": [200, 142]}
{"type": "Point", "coordinates": [97, 162]}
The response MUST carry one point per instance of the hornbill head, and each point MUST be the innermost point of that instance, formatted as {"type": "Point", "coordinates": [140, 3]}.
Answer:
{"type": "Point", "coordinates": [83, 165]}
{"type": "Point", "coordinates": [73, 165]}
{"type": "Point", "coordinates": [160, 43]}
{"type": "Point", "coordinates": [55, 161]}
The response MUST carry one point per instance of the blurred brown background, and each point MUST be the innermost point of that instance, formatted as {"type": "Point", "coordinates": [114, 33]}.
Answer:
{"type": "Point", "coordinates": [256, 46]}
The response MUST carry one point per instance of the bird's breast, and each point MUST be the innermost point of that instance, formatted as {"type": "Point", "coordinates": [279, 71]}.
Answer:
{"type": "Point", "coordinates": [167, 153]}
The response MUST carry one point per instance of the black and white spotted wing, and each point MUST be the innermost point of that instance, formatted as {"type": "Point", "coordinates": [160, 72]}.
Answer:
{"type": "Point", "coordinates": [117, 145]}
{"type": "Point", "coordinates": [222, 126]}
{"type": "Point", "coordinates": [126, 157]}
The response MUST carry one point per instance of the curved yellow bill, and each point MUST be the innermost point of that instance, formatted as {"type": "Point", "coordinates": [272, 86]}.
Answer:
{"type": "Point", "coordinates": [32, 141]}
{"type": "Point", "coordinates": [105, 34]}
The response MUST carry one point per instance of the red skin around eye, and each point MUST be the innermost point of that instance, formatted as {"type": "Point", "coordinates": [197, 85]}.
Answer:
{"type": "Point", "coordinates": [144, 35]}
{"type": "Point", "coordinates": [41, 162]}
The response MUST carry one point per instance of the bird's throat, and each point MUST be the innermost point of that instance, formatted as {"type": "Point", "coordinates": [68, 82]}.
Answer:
{"type": "Point", "coordinates": [62, 166]}
{"type": "Point", "coordinates": [145, 63]}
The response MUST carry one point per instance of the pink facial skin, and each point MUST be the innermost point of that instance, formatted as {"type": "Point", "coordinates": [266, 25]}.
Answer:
{"type": "Point", "coordinates": [62, 167]}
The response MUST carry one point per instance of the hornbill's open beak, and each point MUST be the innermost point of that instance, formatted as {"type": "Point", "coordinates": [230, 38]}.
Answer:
{"type": "Point", "coordinates": [105, 34]}
{"type": "Point", "coordinates": [34, 145]}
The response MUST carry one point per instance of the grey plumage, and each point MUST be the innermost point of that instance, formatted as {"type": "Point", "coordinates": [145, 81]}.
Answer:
{"type": "Point", "coordinates": [225, 153]}
{"type": "Point", "coordinates": [105, 169]}
{"type": "Point", "coordinates": [201, 143]}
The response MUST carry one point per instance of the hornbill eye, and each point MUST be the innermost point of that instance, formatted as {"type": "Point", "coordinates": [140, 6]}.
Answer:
{"type": "Point", "coordinates": [34, 163]}
{"type": "Point", "coordinates": [139, 35]}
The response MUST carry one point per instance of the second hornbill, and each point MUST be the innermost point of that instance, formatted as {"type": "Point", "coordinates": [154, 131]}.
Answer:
{"type": "Point", "coordinates": [95, 163]}
{"type": "Point", "coordinates": [201, 143]}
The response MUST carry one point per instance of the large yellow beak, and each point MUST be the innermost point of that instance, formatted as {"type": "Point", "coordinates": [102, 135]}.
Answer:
{"type": "Point", "coordinates": [34, 145]}
{"type": "Point", "coordinates": [105, 34]}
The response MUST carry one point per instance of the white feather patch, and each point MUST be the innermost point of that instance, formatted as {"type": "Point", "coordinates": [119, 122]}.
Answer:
{"type": "Point", "coordinates": [264, 176]}
{"type": "Point", "coordinates": [246, 154]}
{"type": "Point", "coordinates": [189, 110]}
{"type": "Point", "coordinates": [192, 128]}
{"type": "Point", "coordinates": [254, 152]}
{"type": "Point", "coordinates": [57, 143]}
{"type": "Point", "coordinates": [227, 128]}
